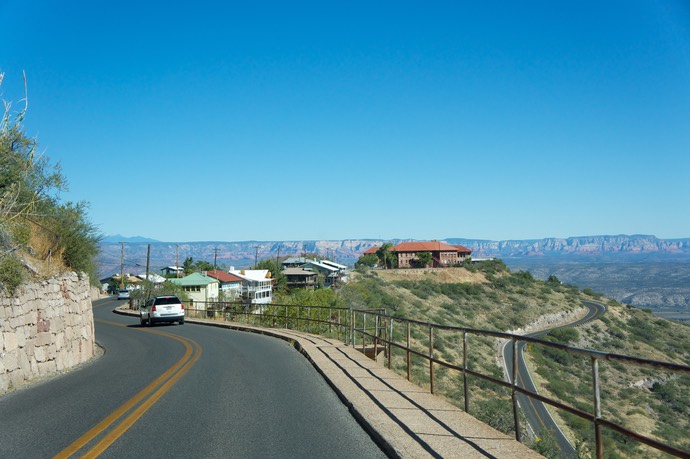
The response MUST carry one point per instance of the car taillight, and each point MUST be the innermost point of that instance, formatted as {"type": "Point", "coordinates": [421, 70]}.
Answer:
{"type": "Point", "coordinates": [153, 308]}
{"type": "Point", "coordinates": [182, 305]}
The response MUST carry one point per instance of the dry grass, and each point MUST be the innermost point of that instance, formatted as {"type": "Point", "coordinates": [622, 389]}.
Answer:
{"type": "Point", "coordinates": [441, 275]}
{"type": "Point", "coordinates": [43, 253]}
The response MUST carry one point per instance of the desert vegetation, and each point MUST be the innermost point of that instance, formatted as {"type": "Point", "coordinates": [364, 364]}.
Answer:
{"type": "Point", "coordinates": [40, 235]}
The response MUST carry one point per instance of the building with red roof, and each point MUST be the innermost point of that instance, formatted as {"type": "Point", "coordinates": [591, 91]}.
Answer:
{"type": "Point", "coordinates": [442, 254]}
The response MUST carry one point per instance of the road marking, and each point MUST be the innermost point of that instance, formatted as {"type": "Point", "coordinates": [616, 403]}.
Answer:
{"type": "Point", "coordinates": [160, 385]}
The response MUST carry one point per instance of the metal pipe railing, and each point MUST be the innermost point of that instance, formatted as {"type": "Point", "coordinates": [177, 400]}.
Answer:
{"type": "Point", "coordinates": [355, 322]}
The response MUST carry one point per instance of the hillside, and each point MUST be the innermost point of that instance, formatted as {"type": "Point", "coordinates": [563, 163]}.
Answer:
{"type": "Point", "coordinates": [663, 286]}
{"type": "Point", "coordinates": [491, 297]}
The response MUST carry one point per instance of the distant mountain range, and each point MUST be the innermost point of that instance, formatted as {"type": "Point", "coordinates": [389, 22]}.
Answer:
{"type": "Point", "coordinates": [586, 246]}
{"type": "Point", "coordinates": [602, 263]}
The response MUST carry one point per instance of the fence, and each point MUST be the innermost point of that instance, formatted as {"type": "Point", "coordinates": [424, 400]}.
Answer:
{"type": "Point", "coordinates": [374, 332]}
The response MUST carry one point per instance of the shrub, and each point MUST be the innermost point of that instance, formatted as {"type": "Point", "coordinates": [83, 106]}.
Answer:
{"type": "Point", "coordinates": [564, 335]}
{"type": "Point", "coordinates": [11, 274]}
{"type": "Point", "coordinates": [497, 413]}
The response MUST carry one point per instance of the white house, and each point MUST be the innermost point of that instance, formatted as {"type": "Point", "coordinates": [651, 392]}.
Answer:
{"type": "Point", "coordinates": [257, 285]}
{"type": "Point", "coordinates": [154, 278]}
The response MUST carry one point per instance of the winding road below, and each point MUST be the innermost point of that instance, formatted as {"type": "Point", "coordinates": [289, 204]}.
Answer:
{"type": "Point", "coordinates": [538, 417]}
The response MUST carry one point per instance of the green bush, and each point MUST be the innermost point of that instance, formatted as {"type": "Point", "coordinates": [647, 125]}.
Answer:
{"type": "Point", "coordinates": [564, 335]}
{"type": "Point", "coordinates": [12, 274]}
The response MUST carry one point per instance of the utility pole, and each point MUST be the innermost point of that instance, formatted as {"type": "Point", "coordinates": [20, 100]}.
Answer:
{"type": "Point", "coordinates": [215, 257]}
{"type": "Point", "coordinates": [177, 260]}
{"type": "Point", "coordinates": [256, 256]}
{"type": "Point", "coordinates": [148, 260]}
{"type": "Point", "coordinates": [122, 266]}
{"type": "Point", "coordinates": [278, 257]}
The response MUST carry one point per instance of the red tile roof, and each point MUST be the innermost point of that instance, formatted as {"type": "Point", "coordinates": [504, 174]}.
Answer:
{"type": "Point", "coordinates": [433, 246]}
{"type": "Point", "coordinates": [370, 250]}
{"type": "Point", "coordinates": [463, 249]}
{"type": "Point", "coordinates": [223, 276]}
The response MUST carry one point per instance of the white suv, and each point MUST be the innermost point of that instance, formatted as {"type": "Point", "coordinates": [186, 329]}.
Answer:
{"type": "Point", "coordinates": [167, 308]}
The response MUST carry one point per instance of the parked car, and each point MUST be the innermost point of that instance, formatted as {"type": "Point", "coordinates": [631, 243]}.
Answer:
{"type": "Point", "coordinates": [123, 294]}
{"type": "Point", "coordinates": [160, 309]}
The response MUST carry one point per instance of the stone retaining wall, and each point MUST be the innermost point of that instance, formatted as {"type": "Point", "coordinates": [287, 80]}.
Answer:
{"type": "Point", "coordinates": [45, 328]}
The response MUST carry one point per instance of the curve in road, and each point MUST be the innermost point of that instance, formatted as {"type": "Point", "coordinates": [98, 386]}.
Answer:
{"type": "Point", "coordinates": [538, 417]}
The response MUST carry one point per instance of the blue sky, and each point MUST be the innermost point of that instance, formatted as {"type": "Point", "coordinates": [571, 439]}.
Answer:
{"type": "Point", "coordinates": [226, 121]}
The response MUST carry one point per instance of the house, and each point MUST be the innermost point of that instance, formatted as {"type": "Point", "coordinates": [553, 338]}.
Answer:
{"type": "Point", "coordinates": [173, 271]}
{"type": "Point", "coordinates": [442, 254]}
{"type": "Point", "coordinates": [300, 278]}
{"type": "Point", "coordinates": [257, 285]}
{"type": "Point", "coordinates": [330, 273]}
{"type": "Point", "coordinates": [230, 285]}
{"type": "Point", "coordinates": [198, 287]}
{"type": "Point", "coordinates": [154, 278]}
{"type": "Point", "coordinates": [112, 283]}
{"type": "Point", "coordinates": [293, 262]}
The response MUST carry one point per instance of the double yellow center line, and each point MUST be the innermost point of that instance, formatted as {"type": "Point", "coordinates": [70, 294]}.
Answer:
{"type": "Point", "coordinates": [135, 407]}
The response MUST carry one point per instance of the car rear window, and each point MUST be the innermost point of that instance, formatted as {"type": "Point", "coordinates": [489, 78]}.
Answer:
{"type": "Point", "coordinates": [167, 300]}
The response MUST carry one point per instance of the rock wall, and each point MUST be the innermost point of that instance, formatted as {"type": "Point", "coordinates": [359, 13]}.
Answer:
{"type": "Point", "coordinates": [45, 328]}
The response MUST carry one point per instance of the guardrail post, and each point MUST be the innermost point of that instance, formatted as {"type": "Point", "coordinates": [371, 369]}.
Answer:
{"type": "Point", "coordinates": [597, 408]}
{"type": "Point", "coordinates": [431, 357]}
{"type": "Point", "coordinates": [390, 345]}
{"type": "Point", "coordinates": [516, 412]}
{"type": "Point", "coordinates": [376, 336]}
{"type": "Point", "coordinates": [364, 335]}
{"type": "Point", "coordinates": [409, 358]}
{"type": "Point", "coordinates": [352, 327]}
{"type": "Point", "coordinates": [338, 327]}
{"type": "Point", "coordinates": [464, 371]}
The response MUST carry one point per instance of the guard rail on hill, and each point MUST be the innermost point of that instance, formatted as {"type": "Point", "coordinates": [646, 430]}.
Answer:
{"type": "Point", "coordinates": [375, 331]}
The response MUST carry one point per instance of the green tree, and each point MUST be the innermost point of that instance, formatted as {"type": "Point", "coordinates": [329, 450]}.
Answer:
{"type": "Point", "coordinates": [366, 261]}
{"type": "Point", "coordinates": [188, 265]}
{"type": "Point", "coordinates": [386, 257]}
{"type": "Point", "coordinates": [553, 280]}
{"type": "Point", "coordinates": [202, 265]}
{"type": "Point", "coordinates": [77, 236]}
{"type": "Point", "coordinates": [150, 290]}
{"type": "Point", "coordinates": [424, 258]}
{"type": "Point", "coordinates": [274, 267]}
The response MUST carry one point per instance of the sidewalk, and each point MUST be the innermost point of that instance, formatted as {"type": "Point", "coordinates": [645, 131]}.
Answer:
{"type": "Point", "coordinates": [404, 419]}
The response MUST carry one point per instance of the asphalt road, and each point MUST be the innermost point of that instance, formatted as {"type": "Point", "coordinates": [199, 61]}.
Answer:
{"type": "Point", "coordinates": [182, 391]}
{"type": "Point", "coordinates": [538, 417]}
